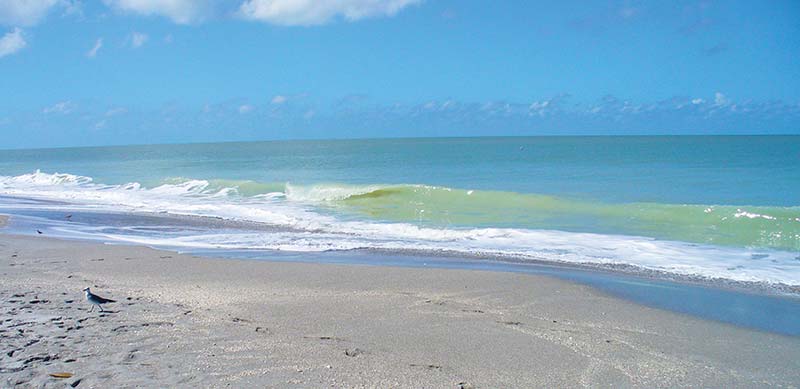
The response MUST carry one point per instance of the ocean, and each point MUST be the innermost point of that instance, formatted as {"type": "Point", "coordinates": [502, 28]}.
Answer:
{"type": "Point", "coordinates": [701, 207]}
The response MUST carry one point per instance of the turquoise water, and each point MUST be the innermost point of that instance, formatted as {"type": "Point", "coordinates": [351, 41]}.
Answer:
{"type": "Point", "coordinates": [715, 206]}
{"type": "Point", "coordinates": [742, 170]}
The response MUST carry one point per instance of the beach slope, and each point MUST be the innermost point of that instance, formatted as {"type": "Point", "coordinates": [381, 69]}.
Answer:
{"type": "Point", "coordinates": [183, 321]}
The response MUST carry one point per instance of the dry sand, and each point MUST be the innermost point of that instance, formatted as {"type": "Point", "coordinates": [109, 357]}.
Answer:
{"type": "Point", "coordinates": [182, 321]}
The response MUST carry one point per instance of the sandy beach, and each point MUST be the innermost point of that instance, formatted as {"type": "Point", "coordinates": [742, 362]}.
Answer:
{"type": "Point", "coordinates": [399, 194]}
{"type": "Point", "coordinates": [183, 321]}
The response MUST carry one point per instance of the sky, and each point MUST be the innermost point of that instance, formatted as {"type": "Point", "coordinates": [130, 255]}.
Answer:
{"type": "Point", "coordinates": [102, 72]}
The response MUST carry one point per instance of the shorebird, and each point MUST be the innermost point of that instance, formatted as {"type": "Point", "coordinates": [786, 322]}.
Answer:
{"type": "Point", "coordinates": [96, 300]}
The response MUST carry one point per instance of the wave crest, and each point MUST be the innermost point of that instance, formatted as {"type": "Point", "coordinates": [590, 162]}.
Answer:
{"type": "Point", "coordinates": [39, 178]}
{"type": "Point", "coordinates": [437, 207]}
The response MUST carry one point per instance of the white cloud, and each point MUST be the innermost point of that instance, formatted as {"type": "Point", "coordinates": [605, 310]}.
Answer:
{"type": "Point", "coordinates": [698, 101]}
{"type": "Point", "coordinates": [63, 107]}
{"type": "Point", "coordinates": [720, 99]}
{"type": "Point", "coordinates": [539, 108]}
{"type": "Point", "coordinates": [279, 99]}
{"type": "Point", "coordinates": [281, 12]}
{"type": "Point", "coordinates": [12, 42]}
{"type": "Point", "coordinates": [180, 11]}
{"type": "Point", "coordinates": [73, 8]}
{"type": "Point", "coordinates": [116, 111]}
{"type": "Point", "coordinates": [26, 12]}
{"type": "Point", "coordinates": [138, 39]}
{"type": "Point", "coordinates": [97, 45]}
{"type": "Point", "coordinates": [243, 109]}
{"type": "Point", "coordinates": [315, 12]}
{"type": "Point", "coordinates": [100, 125]}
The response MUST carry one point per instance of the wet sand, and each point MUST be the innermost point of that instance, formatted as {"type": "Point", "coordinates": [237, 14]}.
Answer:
{"type": "Point", "coordinates": [184, 321]}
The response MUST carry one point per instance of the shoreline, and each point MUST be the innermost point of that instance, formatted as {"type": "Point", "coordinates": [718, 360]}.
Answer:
{"type": "Point", "coordinates": [183, 320]}
{"type": "Point", "coordinates": [495, 262]}
{"type": "Point", "coordinates": [758, 306]}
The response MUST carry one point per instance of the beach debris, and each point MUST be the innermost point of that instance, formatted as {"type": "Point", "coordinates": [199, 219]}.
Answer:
{"type": "Point", "coordinates": [333, 338]}
{"type": "Point", "coordinates": [464, 385]}
{"type": "Point", "coordinates": [353, 352]}
{"type": "Point", "coordinates": [61, 375]}
{"type": "Point", "coordinates": [428, 366]}
{"type": "Point", "coordinates": [511, 323]}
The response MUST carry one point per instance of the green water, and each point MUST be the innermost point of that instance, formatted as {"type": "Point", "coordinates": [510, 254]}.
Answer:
{"type": "Point", "coordinates": [731, 191]}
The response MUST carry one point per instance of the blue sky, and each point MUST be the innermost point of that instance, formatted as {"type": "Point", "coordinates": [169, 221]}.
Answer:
{"type": "Point", "coordinates": [152, 71]}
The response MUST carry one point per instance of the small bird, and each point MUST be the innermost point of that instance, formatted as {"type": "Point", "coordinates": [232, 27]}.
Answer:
{"type": "Point", "coordinates": [96, 300]}
{"type": "Point", "coordinates": [39, 232]}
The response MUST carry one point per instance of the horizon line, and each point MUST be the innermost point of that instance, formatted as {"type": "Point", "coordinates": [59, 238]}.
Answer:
{"type": "Point", "coordinates": [723, 135]}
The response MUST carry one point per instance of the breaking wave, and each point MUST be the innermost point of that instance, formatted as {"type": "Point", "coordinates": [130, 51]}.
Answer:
{"type": "Point", "coordinates": [741, 243]}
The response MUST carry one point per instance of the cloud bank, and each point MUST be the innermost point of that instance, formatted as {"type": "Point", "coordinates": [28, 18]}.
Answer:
{"type": "Point", "coordinates": [62, 124]}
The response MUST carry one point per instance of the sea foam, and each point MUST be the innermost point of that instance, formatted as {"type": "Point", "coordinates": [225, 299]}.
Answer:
{"type": "Point", "coordinates": [299, 224]}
